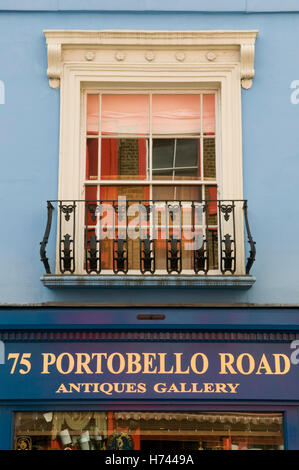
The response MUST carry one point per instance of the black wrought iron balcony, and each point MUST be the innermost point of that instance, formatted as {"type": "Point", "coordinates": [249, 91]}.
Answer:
{"type": "Point", "coordinates": [196, 238]}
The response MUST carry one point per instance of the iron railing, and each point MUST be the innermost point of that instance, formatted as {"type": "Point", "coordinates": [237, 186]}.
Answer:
{"type": "Point", "coordinates": [217, 228]}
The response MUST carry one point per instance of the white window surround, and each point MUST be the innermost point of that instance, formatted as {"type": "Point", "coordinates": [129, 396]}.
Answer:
{"type": "Point", "coordinates": [173, 60]}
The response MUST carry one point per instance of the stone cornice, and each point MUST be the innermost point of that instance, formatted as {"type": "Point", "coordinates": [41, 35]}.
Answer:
{"type": "Point", "coordinates": [215, 43]}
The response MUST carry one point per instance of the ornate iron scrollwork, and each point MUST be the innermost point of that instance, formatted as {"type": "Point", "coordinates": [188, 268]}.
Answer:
{"type": "Point", "coordinates": [67, 210]}
{"type": "Point", "coordinates": [226, 209]}
{"type": "Point", "coordinates": [93, 255]}
{"type": "Point", "coordinates": [66, 254]}
{"type": "Point", "coordinates": [201, 259]}
{"type": "Point", "coordinates": [252, 252]}
{"type": "Point", "coordinates": [217, 249]}
{"type": "Point", "coordinates": [120, 256]}
{"type": "Point", "coordinates": [227, 254]}
{"type": "Point", "coordinates": [43, 244]}
{"type": "Point", "coordinates": [67, 241]}
{"type": "Point", "coordinates": [92, 209]}
{"type": "Point", "coordinates": [147, 255]}
{"type": "Point", "coordinates": [174, 259]}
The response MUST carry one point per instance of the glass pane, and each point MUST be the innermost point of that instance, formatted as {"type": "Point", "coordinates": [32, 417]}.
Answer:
{"type": "Point", "coordinates": [92, 159]}
{"type": "Point", "coordinates": [92, 119]}
{"type": "Point", "coordinates": [124, 159]}
{"type": "Point", "coordinates": [209, 158]}
{"type": "Point", "coordinates": [211, 196]}
{"type": "Point", "coordinates": [138, 430]}
{"type": "Point", "coordinates": [176, 159]}
{"type": "Point", "coordinates": [163, 155]}
{"type": "Point", "coordinates": [107, 253]}
{"type": "Point", "coordinates": [91, 197]}
{"type": "Point", "coordinates": [132, 193]}
{"type": "Point", "coordinates": [187, 153]}
{"type": "Point", "coordinates": [125, 114]}
{"type": "Point", "coordinates": [209, 114]}
{"type": "Point", "coordinates": [177, 193]}
{"type": "Point", "coordinates": [176, 114]}
{"type": "Point", "coordinates": [187, 255]}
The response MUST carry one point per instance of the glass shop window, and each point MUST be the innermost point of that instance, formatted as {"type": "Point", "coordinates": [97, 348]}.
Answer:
{"type": "Point", "coordinates": [162, 431]}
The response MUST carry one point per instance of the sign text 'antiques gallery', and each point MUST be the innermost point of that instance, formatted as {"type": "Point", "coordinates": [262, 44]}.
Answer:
{"type": "Point", "coordinates": [131, 370]}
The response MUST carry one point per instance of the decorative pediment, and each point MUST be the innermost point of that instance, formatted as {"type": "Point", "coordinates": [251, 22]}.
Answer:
{"type": "Point", "coordinates": [148, 50]}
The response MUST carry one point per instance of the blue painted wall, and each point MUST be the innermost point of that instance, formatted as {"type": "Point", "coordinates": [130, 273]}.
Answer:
{"type": "Point", "coordinates": [29, 140]}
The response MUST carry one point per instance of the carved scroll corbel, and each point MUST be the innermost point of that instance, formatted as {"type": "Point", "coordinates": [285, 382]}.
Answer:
{"type": "Point", "coordinates": [54, 65]}
{"type": "Point", "coordinates": [247, 65]}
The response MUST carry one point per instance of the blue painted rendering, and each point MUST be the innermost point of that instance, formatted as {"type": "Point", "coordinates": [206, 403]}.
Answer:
{"type": "Point", "coordinates": [29, 159]}
{"type": "Point", "coordinates": [29, 123]}
{"type": "Point", "coordinates": [244, 6]}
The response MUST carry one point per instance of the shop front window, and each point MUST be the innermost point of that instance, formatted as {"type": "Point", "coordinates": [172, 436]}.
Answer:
{"type": "Point", "coordinates": [163, 431]}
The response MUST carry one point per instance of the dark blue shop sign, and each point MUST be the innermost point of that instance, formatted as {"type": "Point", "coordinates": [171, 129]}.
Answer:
{"type": "Point", "coordinates": [137, 370]}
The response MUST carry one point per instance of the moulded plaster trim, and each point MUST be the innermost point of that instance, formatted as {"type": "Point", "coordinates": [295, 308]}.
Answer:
{"type": "Point", "coordinates": [57, 40]}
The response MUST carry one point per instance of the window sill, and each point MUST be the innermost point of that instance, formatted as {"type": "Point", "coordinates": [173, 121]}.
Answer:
{"type": "Point", "coordinates": [226, 281]}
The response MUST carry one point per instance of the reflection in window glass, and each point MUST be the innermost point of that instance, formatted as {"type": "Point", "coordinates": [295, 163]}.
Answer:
{"type": "Point", "coordinates": [92, 114]}
{"type": "Point", "coordinates": [165, 431]}
{"type": "Point", "coordinates": [124, 159]}
{"type": "Point", "coordinates": [176, 114]}
{"type": "Point", "coordinates": [209, 114]}
{"type": "Point", "coordinates": [92, 159]}
{"type": "Point", "coordinates": [176, 159]}
{"type": "Point", "coordinates": [153, 147]}
{"type": "Point", "coordinates": [125, 114]}
{"type": "Point", "coordinates": [209, 152]}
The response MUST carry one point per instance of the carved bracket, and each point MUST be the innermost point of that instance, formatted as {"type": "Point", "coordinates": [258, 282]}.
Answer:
{"type": "Point", "coordinates": [247, 65]}
{"type": "Point", "coordinates": [54, 65]}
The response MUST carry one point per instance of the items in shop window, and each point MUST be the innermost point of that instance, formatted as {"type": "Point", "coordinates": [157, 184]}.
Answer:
{"type": "Point", "coordinates": [128, 431]}
{"type": "Point", "coordinates": [48, 417]}
{"type": "Point", "coordinates": [84, 441]}
{"type": "Point", "coordinates": [23, 443]}
{"type": "Point", "coordinates": [65, 438]}
{"type": "Point", "coordinates": [120, 441]}
{"type": "Point", "coordinates": [98, 439]}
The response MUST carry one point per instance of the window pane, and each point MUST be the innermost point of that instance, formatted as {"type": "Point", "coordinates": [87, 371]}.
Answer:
{"type": "Point", "coordinates": [176, 159]}
{"type": "Point", "coordinates": [124, 159]}
{"type": "Point", "coordinates": [177, 193]}
{"type": "Point", "coordinates": [163, 153]}
{"type": "Point", "coordinates": [139, 430]}
{"type": "Point", "coordinates": [132, 193]}
{"type": "Point", "coordinates": [91, 159]}
{"type": "Point", "coordinates": [209, 158]}
{"type": "Point", "coordinates": [209, 114]}
{"type": "Point", "coordinates": [91, 197]}
{"type": "Point", "coordinates": [92, 121]}
{"type": "Point", "coordinates": [211, 197]}
{"type": "Point", "coordinates": [187, 153]}
{"type": "Point", "coordinates": [176, 114]}
{"type": "Point", "coordinates": [125, 114]}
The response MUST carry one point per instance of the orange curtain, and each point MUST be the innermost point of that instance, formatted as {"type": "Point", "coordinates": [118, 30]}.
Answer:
{"type": "Point", "coordinates": [213, 198]}
{"type": "Point", "coordinates": [109, 159]}
{"type": "Point", "coordinates": [142, 158]}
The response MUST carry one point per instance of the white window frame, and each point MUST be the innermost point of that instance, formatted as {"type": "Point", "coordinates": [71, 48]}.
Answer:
{"type": "Point", "coordinates": [164, 60]}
